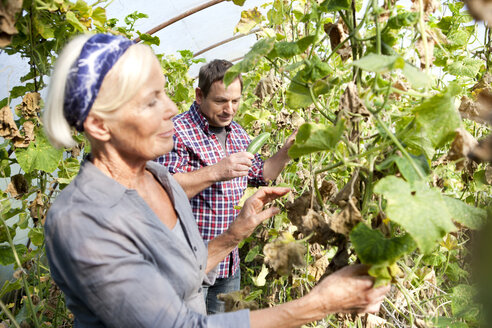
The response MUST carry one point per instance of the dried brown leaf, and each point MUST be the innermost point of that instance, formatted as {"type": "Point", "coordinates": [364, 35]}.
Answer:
{"type": "Point", "coordinates": [318, 268]}
{"type": "Point", "coordinates": [267, 86]}
{"type": "Point", "coordinates": [474, 111]}
{"type": "Point", "coordinates": [18, 185]}
{"type": "Point", "coordinates": [8, 11]}
{"type": "Point", "coordinates": [8, 128]}
{"type": "Point", "coordinates": [30, 105]}
{"type": "Point", "coordinates": [347, 219]}
{"type": "Point", "coordinates": [235, 301]}
{"type": "Point", "coordinates": [430, 6]}
{"type": "Point", "coordinates": [461, 146]}
{"type": "Point", "coordinates": [328, 190]}
{"type": "Point", "coordinates": [283, 255]}
{"type": "Point", "coordinates": [36, 208]}
{"type": "Point", "coordinates": [350, 190]}
{"type": "Point", "coordinates": [351, 105]}
{"type": "Point", "coordinates": [420, 47]}
{"type": "Point", "coordinates": [373, 321]}
{"type": "Point", "coordinates": [337, 33]}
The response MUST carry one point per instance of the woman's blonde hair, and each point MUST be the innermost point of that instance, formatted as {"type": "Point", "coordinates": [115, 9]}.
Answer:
{"type": "Point", "coordinates": [127, 76]}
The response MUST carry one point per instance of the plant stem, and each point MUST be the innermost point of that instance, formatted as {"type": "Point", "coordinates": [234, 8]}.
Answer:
{"type": "Point", "coordinates": [23, 273]}
{"type": "Point", "coordinates": [399, 145]}
{"type": "Point", "coordinates": [423, 34]}
{"type": "Point", "coordinates": [9, 314]}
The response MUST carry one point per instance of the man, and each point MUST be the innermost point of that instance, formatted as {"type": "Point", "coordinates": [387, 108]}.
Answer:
{"type": "Point", "coordinates": [210, 161]}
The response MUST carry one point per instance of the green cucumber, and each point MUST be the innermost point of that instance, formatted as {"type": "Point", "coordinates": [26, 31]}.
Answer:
{"type": "Point", "coordinates": [258, 142]}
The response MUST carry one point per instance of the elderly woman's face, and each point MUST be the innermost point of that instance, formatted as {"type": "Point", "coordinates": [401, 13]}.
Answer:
{"type": "Point", "coordinates": [142, 129]}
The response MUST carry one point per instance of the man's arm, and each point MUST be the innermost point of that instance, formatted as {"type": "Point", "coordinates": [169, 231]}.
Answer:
{"type": "Point", "coordinates": [230, 167]}
{"type": "Point", "coordinates": [275, 164]}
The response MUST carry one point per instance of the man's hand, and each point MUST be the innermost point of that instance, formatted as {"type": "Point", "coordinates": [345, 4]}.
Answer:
{"type": "Point", "coordinates": [233, 166]}
{"type": "Point", "coordinates": [252, 213]}
{"type": "Point", "coordinates": [275, 164]}
{"type": "Point", "coordinates": [349, 290]}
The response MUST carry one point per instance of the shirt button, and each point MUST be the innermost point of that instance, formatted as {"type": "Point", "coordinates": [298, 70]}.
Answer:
{"type": "Point", "coordinates": [200, 266]}
{"type": "Point", "coordinates": [194, 248]}
{"type": "Point", "coordinates": [200, 290]}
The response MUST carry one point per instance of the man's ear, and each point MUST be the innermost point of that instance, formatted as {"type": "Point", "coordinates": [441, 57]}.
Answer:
{"type": "Point", "coordinates": [96, 127]}
{"type": "Point", "coordinates": [199, 96]}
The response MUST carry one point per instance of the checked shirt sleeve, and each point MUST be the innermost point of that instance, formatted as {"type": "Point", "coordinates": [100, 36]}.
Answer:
{"type": "Point", "coordinates": [177, 160]}
{"type": "Point", "coordinates": [255, 174]}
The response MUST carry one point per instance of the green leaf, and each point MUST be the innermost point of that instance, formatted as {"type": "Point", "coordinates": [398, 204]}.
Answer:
{"type": "Point", "coordinates": [285, 49]}
{"type": "Point", "coordinates": [149, 39]}
{"type": "Point", "coordinates": [408, 171]}
{"type": "Point", "coordinates": [74, 21]}
{"type": "Point", "coordinates": [465, 67]}
{"type": "Point", "coordinates": [40, 155]}
{"type": "Point", "coordinates": [260, 49]}
{"type": "Point", "coordinates": [373, 248]}
{"type": "Point", "coordinates": [313, 137]}
{"type": "Point", "coordinates": [335, 5]}
{"type": "Point", "coordinates": [238, 2]}
{"type": "Point", "coordinates": [7, 256]}
{"type": "Point", "coordinates": [9, 286]}
{"type": "Point", "coordinates": [402, 20]}
{"type": "Point", "coordinates": [379, 63]}
{"type": "Point", "coordinates": [416, 77]}
{"type": "Point", "coordinates": [44, 28]}
{"type": "Point", "coordinates": [462, 305]}
{"type": "Point", "coordinates": [37, 236]}
{"type": "Point", "coordinates": [467, 215]}
{"type": "Point", "coordinates": [253, 252]}
{"type": "Point", "coordinates": [99, 16]}
{"type": "Point", "coordinates": [299, 96]}
{"type": "Point", "coordinates": [438, 117]}
{"type": "Point", "coordinates": [420, 210]}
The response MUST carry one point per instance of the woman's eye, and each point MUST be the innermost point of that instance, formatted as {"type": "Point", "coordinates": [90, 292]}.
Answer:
{"type": "Point", "coordinates": [152, 103]}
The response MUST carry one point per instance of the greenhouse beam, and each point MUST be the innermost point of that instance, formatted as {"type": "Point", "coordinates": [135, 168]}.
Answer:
{"type": "Point", "coordinates": [225, 41]}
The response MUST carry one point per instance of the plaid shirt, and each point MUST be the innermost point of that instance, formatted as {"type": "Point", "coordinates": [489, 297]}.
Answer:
{"type": "Point", "coordinates": [196, 147]}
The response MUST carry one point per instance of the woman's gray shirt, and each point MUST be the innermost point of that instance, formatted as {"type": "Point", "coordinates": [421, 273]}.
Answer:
{"type": "Point", "coordinates": [119, 265]}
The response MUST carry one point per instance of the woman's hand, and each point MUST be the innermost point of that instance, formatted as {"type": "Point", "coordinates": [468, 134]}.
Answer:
{"type": "Point", "coordinates": [252, 213]}
{"type": "Point", "coordinates": [348, 290]}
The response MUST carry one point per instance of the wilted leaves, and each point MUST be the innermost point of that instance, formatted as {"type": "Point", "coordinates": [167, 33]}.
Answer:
{"type": "Point", "coordinates": [237, 300]}
{"type": "Point", "coordinates": [8, 11]}
{"type": "Point", "coordinates": [337, 34]}
{"type": "Point", "coordinates": [284, 254]}
{"type": "Point", "coordinates": [249, 19]}
{"type": "Point", "coordinates": [462, 145]}
{"type": "Point", "coordinates": [8, 128]}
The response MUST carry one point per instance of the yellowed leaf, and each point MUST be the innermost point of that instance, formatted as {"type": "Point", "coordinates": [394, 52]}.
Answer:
{"type": "Point", "coordinates": [249, 19]}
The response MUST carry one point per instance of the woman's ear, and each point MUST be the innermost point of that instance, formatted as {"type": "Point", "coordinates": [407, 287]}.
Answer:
{"type": "Point", "coordinates": [96, 127]}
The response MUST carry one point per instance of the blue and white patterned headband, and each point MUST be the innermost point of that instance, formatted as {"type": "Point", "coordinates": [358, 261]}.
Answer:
{"type": "Point", "coordinates": [98, 56]}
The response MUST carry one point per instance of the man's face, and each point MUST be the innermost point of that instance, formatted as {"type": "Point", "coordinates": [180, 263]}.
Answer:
{"type": "Point", "coordinates": [221, 104]}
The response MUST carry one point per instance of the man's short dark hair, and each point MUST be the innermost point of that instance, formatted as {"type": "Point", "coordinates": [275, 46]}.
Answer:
{"type": "Point", "coordinates": [212, 72]}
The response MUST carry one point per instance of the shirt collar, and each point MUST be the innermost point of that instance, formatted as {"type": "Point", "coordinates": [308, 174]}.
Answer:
{"type": "Point", "coordinates": [95, 184]}
{"type": "Point", "coordinates": [200, 120]}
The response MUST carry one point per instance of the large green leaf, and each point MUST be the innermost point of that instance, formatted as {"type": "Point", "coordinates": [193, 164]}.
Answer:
{"type": "Point", "coordinates": [259, 49]}
{"type": "Point", "coordinates": [407, 18]}
{"type": "Point", "coordinates": [373, 248]}
{"type": "Point", "coordinates": [7, 256]}
{"type": "Point", "coordinates": [74, 21]}
{"type": "Point", "coordinates": [313, 137]}
{"type": "Point", "coordinates": [335, 5]}
{"type": "Point", "coordinates": [40, 155]}
{"type": "Point", "coordinates": [420, 210]}
{"type": "Point", "coordinates": [37, 236]}
{"type": "Point", "coordinates": [299, 96]}
{"type": "Point", "coordinates": [438, 117]}
{"type": "Point", "coordinates": [416, 77]}
{"type": "Point", "coordinates": [467, 215]}
{"type": "Point", "coordinates": [379, 63]}
{"type": "Point", "coordinates": [285, 49]}
{"type": "Point", "coordinates": [465, 67]}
